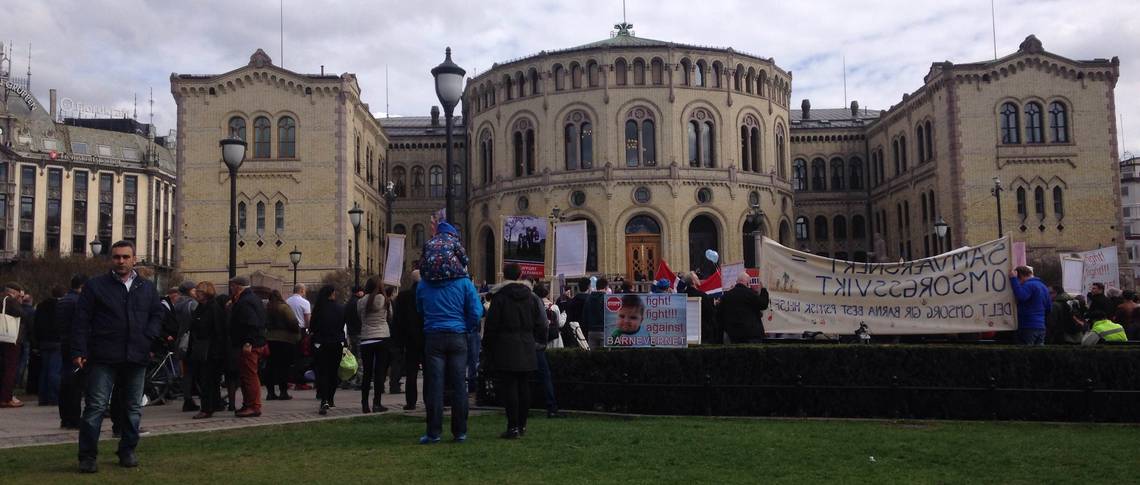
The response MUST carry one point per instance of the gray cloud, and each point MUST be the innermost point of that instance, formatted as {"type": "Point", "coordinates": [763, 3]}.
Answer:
{"type": "Point", "coordinates": [104, 51]}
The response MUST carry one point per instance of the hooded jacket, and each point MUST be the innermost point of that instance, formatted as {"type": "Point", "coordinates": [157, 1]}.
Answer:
{"type": "Point", "coordinates": [516, 324]}
{"type": "Point", "coordinates": [1033, 303]}
{"type": "Point", "coordinates": [449, 306]}
{"type": "Point", "coordinates": [443, 255]}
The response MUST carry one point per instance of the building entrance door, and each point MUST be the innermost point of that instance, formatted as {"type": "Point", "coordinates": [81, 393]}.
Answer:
{"type": "Point", "coordinates": [642, 252]}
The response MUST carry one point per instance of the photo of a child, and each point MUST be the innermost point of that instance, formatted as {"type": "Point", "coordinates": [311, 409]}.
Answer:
{"type": "Point", "coordinates": [630, 315]}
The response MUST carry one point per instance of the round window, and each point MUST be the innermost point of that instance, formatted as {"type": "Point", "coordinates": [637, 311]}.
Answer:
{"type": "Point", "coordinates": [523, 204]}
{"type": "Point", "coordinates": [753, 198]}
{"type": "Point", "coordinates": [641, 195]}
{"type": "Point", "coordinates": [704, 195]}
{"type": "Point", "coordinates": [578, 198]}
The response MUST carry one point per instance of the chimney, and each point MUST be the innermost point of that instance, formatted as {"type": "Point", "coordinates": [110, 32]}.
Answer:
{"type": "Point", "coordinates": [53, 104]}
{"type": "Point", "coordinates": [435, 116]}
{"type": "Point", "coordinates": [805, 108]}
{"type": "Point", "coordinates": [322, 70]}
{"type": "Point", "coordinates": [854, 109]}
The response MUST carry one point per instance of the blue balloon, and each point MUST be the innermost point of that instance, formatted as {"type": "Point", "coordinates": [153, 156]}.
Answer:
{"type": "Point", "coordinates": [712, 256]}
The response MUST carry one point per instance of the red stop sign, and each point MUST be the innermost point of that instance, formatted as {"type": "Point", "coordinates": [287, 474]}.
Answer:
{"type": "Point", "coordinates": [613, 303]}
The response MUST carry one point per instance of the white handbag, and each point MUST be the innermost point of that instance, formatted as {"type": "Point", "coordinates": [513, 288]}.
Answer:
{"type": "Point", "coordinates": [9, 325]}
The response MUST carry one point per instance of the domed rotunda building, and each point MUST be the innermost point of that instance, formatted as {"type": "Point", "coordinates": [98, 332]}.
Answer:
{"type": "Point", "coordinates": [665, 149]}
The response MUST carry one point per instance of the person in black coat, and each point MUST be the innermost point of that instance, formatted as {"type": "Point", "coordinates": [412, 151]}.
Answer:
{"type": "Point", "coordinates": [47, 337]}
{"type": "Point", "coordinates": [327, 326]}
{"type": "Point", "coordinates": [70, 383]}
{"type": "Point", "coordinates": [515, 328]}
{"type": "Point", "coordinates": [741, 312]}
{"type": "Point", "coordinates": [209, 347]}
{"type": "Point", "coordinates": [409, 326]}
{"type": "Point", "coordinates": [711, 333]}
{"type": "Point", "coordinates": [247, 336]}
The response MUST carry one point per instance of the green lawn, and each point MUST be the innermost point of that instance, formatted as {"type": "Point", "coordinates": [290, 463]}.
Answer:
{"type": "Point", "coordinates": [583, 449]}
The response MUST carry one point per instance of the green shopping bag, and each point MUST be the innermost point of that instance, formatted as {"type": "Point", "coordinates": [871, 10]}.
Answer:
{"type": "Point", "coordinates": [347, 365]}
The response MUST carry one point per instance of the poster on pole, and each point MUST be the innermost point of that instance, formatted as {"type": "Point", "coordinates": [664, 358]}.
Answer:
{"type": "Point", "coordinates": [693, 314]}
{"type": "Point", "coordinates": [524, 243]}
{"type": "Point", "coordinates": [570, 248]}
{"type": "Point", "coordinates": [646, 320]}
{"type": "Point", "coordinates": [1019, 258]}
{"type": "Point", "coordinates": [1072, 275]}
{"type": "Point", "coordinates": [394, 260]}
{"type": "Point", "coordinates": [1100, 266]}
{"type": "Point", "coordinates": [965, 290]}
{"type": "Point", "coordinates": [729, 273]}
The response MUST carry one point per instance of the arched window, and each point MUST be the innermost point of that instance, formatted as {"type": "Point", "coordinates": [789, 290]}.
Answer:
{"type": "Point", "coordinates": [840, 224]}
{"type": "Point", "coordinates": [417, 181]}
{"type": "Point", "coordinates": [592, 73]}
{"type": "Point", "coordinates": [418, 235]}
{"type": "Point", "coordinates": [694, 149]}
{"type": "Point", "coordinates": [261, 128]}
{"type": "Point", "coordinates": [784, 233]}
{"type": "Point", "coordinates": [799, 175]}
{"type": "Point", "coordinates": [855, 174]}
{"type": "Point", "coordinates": [736, 75]}
{"type": "Point", "coordinates": [523, 140]}
{"type": "Point", "coordinates": [640, 138]}
{"type": "Point", "coordinates": [657, 71]}
{"type": "Point", "coordinates": [761, 81]}
{"type": "Point", "coordinates": [241, 219]}
{"type": "Point", "coordinates": [520, 84]}
{"type": "Point", "coordinates": [923, 197]}
{"type": "Point", "coordinates": [1021, 206]}
{"type": "Point", "coordinates": [586, 145]}
{"type": "Point", "coordinates": [1034, 128]}
{"type": "Point", "coordinates": [858, 228]}
{"type": "Point", "coordinates": [578, 141]}
{"type": "Point", "coordinates": [699, 74]}
{"type": "Point", "coordinates": [716, 73]}
{"type": "Point", "coordinates": [702, 139]}
{"type": "Point", "coordinates": [535, 85]}
{"type": "Point", "coordinates": [576, 75]}
{"type": "Point", "coordinates": [517, 144]}
{"type": "Point", "coordinates": [399, 229]}
{"type": "Point", "coordinates": [756, 146]}
{"type": "Point", "coordinates": [929, 142]}
{"type": "Point", "coordinates": [620, 71]}
{"type": "Point", "coordinates": [570, 144]}
{"type": "Point", "coordinates": [279, 217]}
{"type": "Point", "coordinates": [820, 228]}
{"type": "Point", "coordinates": [895, 149]}
{"type": "Point", "coordinates": [286, 138]}
{"type": "Point", "coordinates": [237, 128]}
{"type": "Point", "coordinates": [1010, 125]}
{"type": "Point", "coordinates": [639, 71]}
{"type": "Point", "coordinates": [748, 79]}
{"type": "Point", "coordinates": [1058, 202]}
{"type": "Point", "coordinates": [491, 92]}
{"type": "Point", "coordinates": [1059, 122]}
{"type": "Point", "coordinates": [435, 182]}
{"type": "Point", "coordinates": [750, 145]}
{"type": "Point", "coordinates": [398, 182]}
{"type": "Point", "coordinates": [837, 173]}
{"type": "Point", "coordinates": [260, 219]}
{"type": "Point", "coordinates": [559, 77]}
{"type": "Point", "coordinates": [902, 151]}
{"type": "Point", "coordinates": [933, 211]}
{"type": "Point", "coordinates": [486, 157]}
{"type": "Point", "coordinates": [818, 175]}
{"type": "Point", "coordinates": [874, 169]}
{"type": "Point", "coordinates": [801, 228]}
{"type": "Point", "coordinates": [1039, 202]}
{"type": "Point", "coordinates": [686, 68]}
{"type": "Point", "coordinates": [508, 87]}
{"type": "Point", "coordinates": [781, 171]}
{"type": "Point", "coordinates": [703, 235]}
{"type": "Point", "coordinates": [918, 132]}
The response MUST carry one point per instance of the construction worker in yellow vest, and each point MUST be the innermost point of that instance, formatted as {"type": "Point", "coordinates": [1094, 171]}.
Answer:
{"type": "Point", "coordinates": [1103, 330]}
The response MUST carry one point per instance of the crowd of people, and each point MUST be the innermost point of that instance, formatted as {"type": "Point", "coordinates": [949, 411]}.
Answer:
{"type": "Point", "coordinates": [1048, 315]}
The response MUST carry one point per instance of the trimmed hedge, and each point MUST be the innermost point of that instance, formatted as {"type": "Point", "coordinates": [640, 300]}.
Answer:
{"type": "Point", "coordinates": [871, 381]}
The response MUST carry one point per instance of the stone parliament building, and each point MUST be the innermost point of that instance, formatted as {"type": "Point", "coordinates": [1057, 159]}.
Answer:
{"type": "Point", "coordinates": [665, 150]}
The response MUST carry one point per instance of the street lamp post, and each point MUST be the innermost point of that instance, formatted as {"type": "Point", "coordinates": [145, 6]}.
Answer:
{"type": "Point", "coordinates": [354, 217]}
{"type": "Point", "coordinates": [295, 258]}
{"type": "Point", "coordinates": [555, 217]}
{"type": "Point", "coordinates": [96, 247]}
{"type": "Point", "coordinates": [940, 229]}
{"type": "Point", "coordinates": [996, 191]}
{"type": "Point", "coordinates": [756, 214]}
{"type": "Point", "coordinates": [390, 197]}
{"type": "Point", "coordinates": [448, 88]}
{"type": "Point", "coordinates": [233, 154]}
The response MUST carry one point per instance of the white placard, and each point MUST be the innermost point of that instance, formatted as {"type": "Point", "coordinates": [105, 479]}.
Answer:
{"type": "Point", "coordinates": [570, 248]}
{"type": "Point", "coordinates": [394, 262]}
{"type": "Point", "coordinates": [693, 320]}
{"type": "Point", "coordinates": [1100, 266]}
{"type": "Point", "coordinates": [729, 273]}
{"type": "Point", "coordinates": [1072, 272]}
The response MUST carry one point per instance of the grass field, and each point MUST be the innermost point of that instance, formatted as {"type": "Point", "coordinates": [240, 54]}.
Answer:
{"type": "Point", "coordinates": [587, 449]}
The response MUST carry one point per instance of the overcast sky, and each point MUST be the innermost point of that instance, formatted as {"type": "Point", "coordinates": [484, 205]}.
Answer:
{"type": "Point", "coordinates": [103, 52]}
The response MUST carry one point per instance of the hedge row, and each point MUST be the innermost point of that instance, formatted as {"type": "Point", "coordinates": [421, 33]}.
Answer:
{"type": "Point", "coordinates": [871, 381]}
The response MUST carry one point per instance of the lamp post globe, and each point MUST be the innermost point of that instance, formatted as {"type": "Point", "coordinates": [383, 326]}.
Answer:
{"type": "Point", "coordinates": [354, 217]}
{"type": "Point", "coordinates": [449, 88]}
{"type": "Point", "coordinates": [940, 227]}
{"type": "Point", "coordinates": [295, 258]}
{"type": "Point", "coordinates": [96, 247]}
{"type": "Point", "coordinates": [996, 191]}
{"type": "Point", "coordinates": [233, 154]}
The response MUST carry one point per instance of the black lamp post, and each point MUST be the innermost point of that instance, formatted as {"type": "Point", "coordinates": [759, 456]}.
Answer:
{"type": "Point", "coordinates": [390, 197]}
{"type": "Point", "coordinates": [233, 154]}
{"type": "Point", "coordinates": [940, 229]}
{"type": "Point", "coordinates": [96, 247]}
{"type": "Point", "coordinates": [996, 191]}
{"type": "Point", "coordinates": [295, 258]}
{"type": "Point", "coordinates": [449, 88]}
{"type": "Point", "coordinates": [555, 218]}
{"type": "Point", "coordinates": [354, 217]}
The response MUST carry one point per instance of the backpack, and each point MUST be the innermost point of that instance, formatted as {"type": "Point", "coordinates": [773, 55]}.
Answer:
{"type": "Point", "coordinates": [552, 333]}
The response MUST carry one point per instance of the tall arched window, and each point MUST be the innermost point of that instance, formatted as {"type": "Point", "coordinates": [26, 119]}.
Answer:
{"type": "Point", "coordinates": [559, 77]}
{"type": "Point", "coordinates": [657, 71]}
{"type": "Point", "coordinates": [260, 219]}
{"type": "Point", "coordinates": [840, 224]}
{"type": "Point", "coordinates": [241, 219]}
{"type": "Point", "coordinates": [895, 150]}
{"type": "Point", "coordinates": [535, 85]}
{"type": "Point", "coordinates": [237, 128]}
{"type": "Point", "coordinates": [1039, 202]}
{"type": "Point", "coordinates": [1058, 202]}
{"type": "Point", "coordinates": [518, 146]}
{"type": "Point", "coordinates": [855, 174]}
{"type": "Point", "coordinates": [592, 73]}
{"type": "Point", "coordinates": [578, 141]}
{"type": "Point", "coordinates": [486, 157]}
{"type": "Point", "coordinates": [902, 151]}
{"type": "Point", "coordinates": [799, 175]}
{"type": "Point", "coordinates": [576, 75]}
{"type": "Point", "coordinates": [761, 81]}
{"type": "Point", "coordinates": [736, 75]}
{"type": "Point", "coordinates": [918, 133]}
{"type": "Point", "coordinates": [621, 68]}
{"type": "Point", "coordinates": [417, 181]}
{"type": "Point", "coordinates": [923, 197]}
{"type": "Point", "coordinates": [508, 87]}
{"type": "Point", "coordinates": [699, 74]}
{"type": "Point", "coordinates": [523, 140]}
{"type": "Point", "coordinates": [279, 218]}
{"type": "Point", "coordinates": [757, 146]}
{"type": "Point", "coordinates": [435, 182]}
{"type": "Point", "coordinates": [1010, 125]}
{"type": "Point", "coordinates": [748, 79]}
{"type": "Point", "coordinates": [639, 71]}
{"type": "Point", "coordinates": [286, 138]}
{"type": "Point", "coordinates": [686, 68]}
{"type": "Point", "coordinates": [399, 184]}
{"type": "Point", "coordinates": [694, 151]}
{"type": "Point", "coordinates": [750, 145]}
{"type": "Point", "coordinates": [640, 138]}
{"type": "Point", "coordinates": [801, 228]}
{"type": "Point", "coordinates": [418, 235]}
{"type": "Point", "coordinates": [858, 228]}
{"type": "Point", "coordinates": [261, 128]}
{"type": "Point", "coordinates": [837, 173]}
{"type": "Point", "coordinates": [781, 171]}
{"type": "Point", "coordinates": [716, 74]}
{"type": "Point", "coordinates": [1034, 128]}
{"type": "Point", "coordinates": [929, 142]}
{"type": "Point", "coordinates": [1021, 205]}
{"type": "Point", "coordinates": [520, 84]}
{"type": "Point", "coordinates": [702, 139]}
{"type": "Point", "coordinates": [570, 144]}
{"type": "Point", "coordinates": [818, 175]}
{"type": "Point", "coordinates": [649, 142]}
{"type": "Point", "coordinates": [820, 228]}
{"type": "Point", "coordinates": [632, 145]}
{"type": "Point", "coordinates": [874, 168]}
{"type": "Point", "coordinates": [1058, 122]}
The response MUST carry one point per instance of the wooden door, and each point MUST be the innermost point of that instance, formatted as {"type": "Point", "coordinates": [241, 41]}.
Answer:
{"type": "Point", "coordinates": [642, 252]}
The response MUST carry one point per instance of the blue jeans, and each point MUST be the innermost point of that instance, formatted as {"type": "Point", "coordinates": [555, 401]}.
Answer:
{"type": "Point", "coordinates": [445, 354]}
{"type": "Point", "coordinates": [547, 383]}
{"type": "Point", "coordinates": [474, 342]}
{"type": "Point", "coordinates": [50, 366]}
{"type": "Point", "coordinates": [1030, 336]}
{"type": "Point", "coordinates": [101, 380]}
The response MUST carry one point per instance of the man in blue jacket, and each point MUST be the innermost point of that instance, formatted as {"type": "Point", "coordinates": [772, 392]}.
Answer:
{"type": "Point", "coordinates": [1033, 305]}
{"type": "Point", "coordinates": [450, 306]}
{"type": "Point", "coordinates": [117, 318]}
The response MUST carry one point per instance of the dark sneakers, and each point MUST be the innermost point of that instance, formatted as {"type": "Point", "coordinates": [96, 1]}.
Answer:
{"type": "Point", "coordinates": [128, 460]}
{"type": "Point", "coordinates": [511, 434]}
{"type": "Point", "coordinates": [88, 466]}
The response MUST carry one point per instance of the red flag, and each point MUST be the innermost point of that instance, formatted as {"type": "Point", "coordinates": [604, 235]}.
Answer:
{"type": "Point", "coordinates": [712, 284]}
{"type": "Point", "coordinates": [663, 271]}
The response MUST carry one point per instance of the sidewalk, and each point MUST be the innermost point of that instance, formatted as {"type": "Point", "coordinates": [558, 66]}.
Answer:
{"type": "Point", "coordinates": [34, 425]}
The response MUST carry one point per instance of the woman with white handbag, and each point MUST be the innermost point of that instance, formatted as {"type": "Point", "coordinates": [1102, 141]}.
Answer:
{"type": "Point", "coordinates": [10, 313]}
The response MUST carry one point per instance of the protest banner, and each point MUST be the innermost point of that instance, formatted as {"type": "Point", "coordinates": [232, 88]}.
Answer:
{"type": "Point", "coordinates": [729, 273]}
{"type": "Point", "coordinates": [1072, 275]}
{"type": "Point", "coordinates": [693, 314]}
{"type": "Point", "coordinates": [644, 320]}
{"type": "Point", "coordinates": [965, 290]}
{"type": "Point", "coordinates": [1019, 258]}
{"type": "Point", "coordinates": [524, 243]}
{"type": "Point", "coordinates": [570, 248]}
{"type": "Point", "coordinates": [1099, 266]}
{"type": "Point", "coordinates": [394, 261]}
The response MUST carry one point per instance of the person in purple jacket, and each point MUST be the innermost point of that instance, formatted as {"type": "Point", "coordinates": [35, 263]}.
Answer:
{"type": "Point", "coordinates": [1033, 305]}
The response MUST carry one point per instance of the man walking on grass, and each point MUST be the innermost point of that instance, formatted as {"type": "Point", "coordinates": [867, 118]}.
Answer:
{"type": "Point", "coordinates": [117, 318]}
